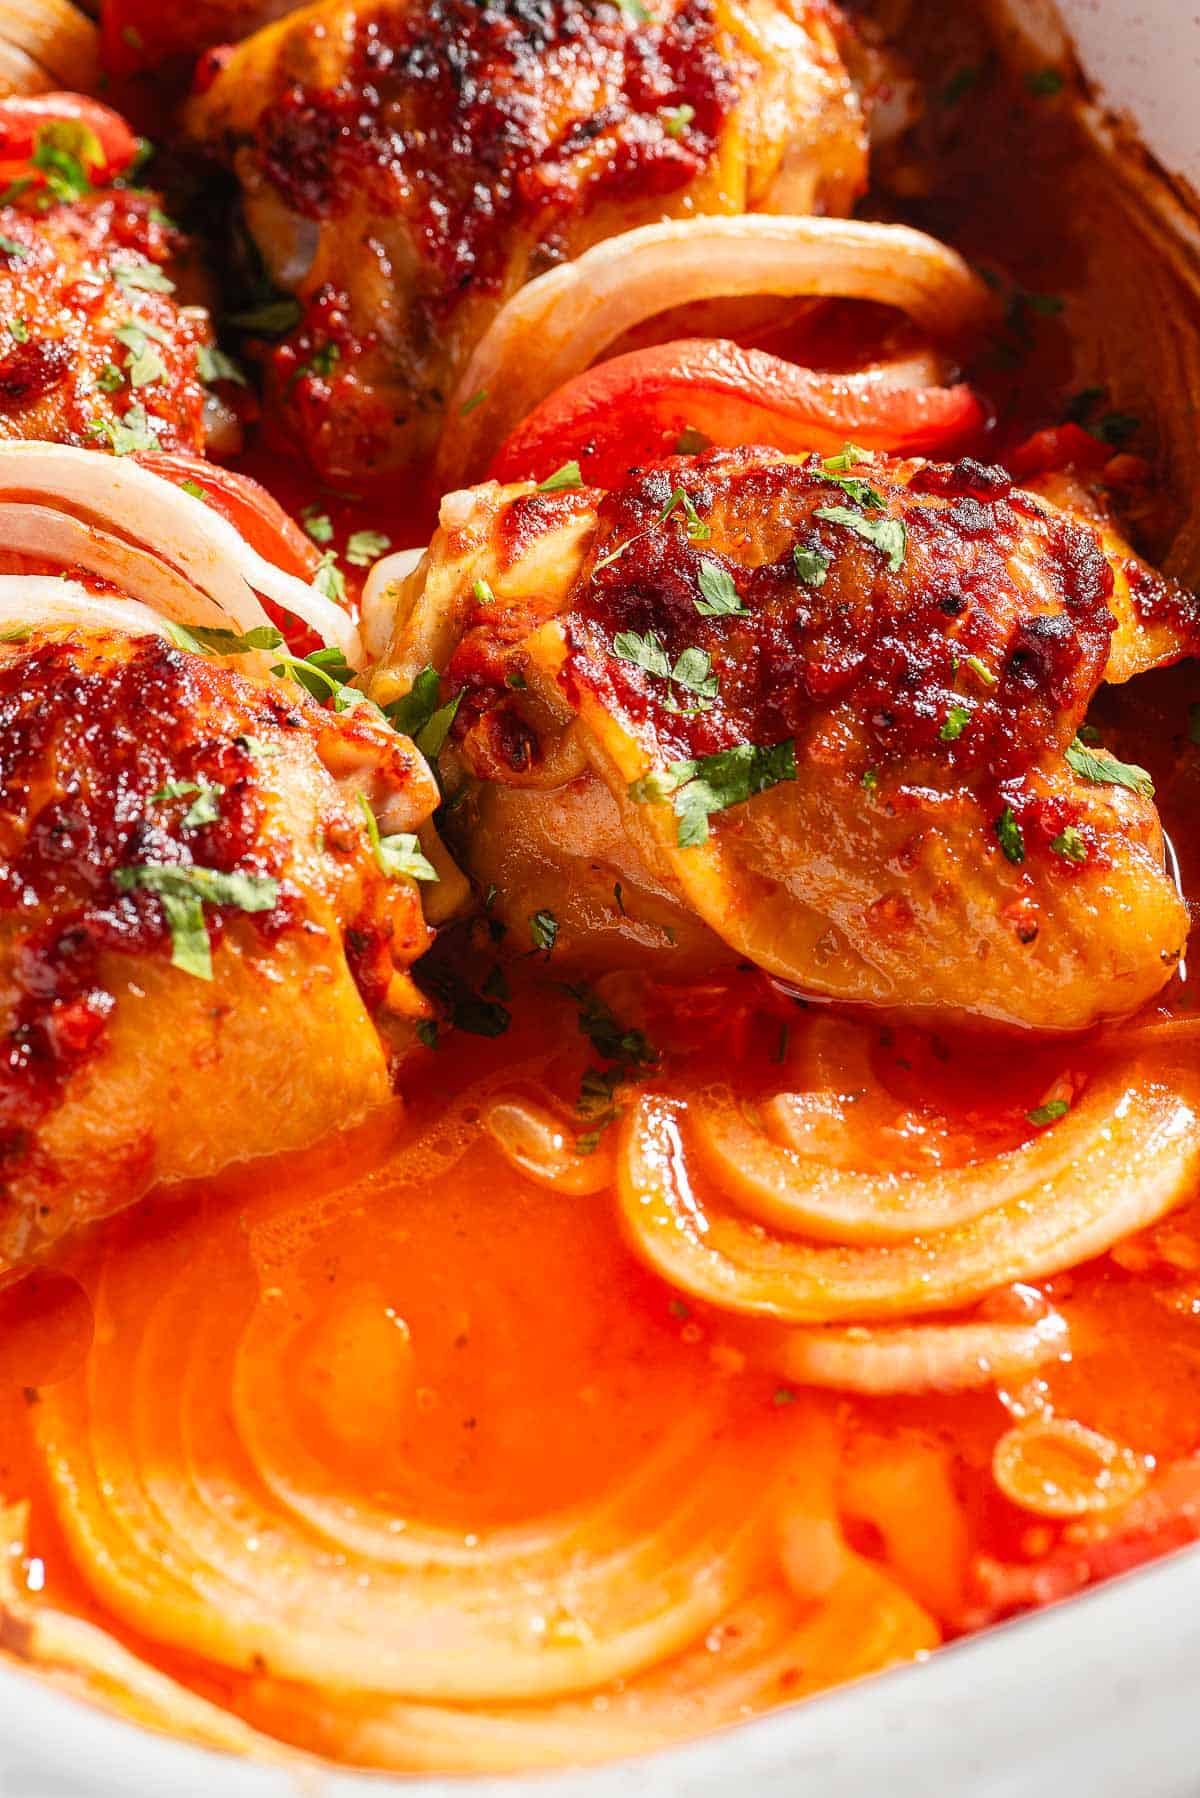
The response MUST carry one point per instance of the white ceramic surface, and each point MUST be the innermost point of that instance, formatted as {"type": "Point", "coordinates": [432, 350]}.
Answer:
{"type": "Point", "coordinates": [1098, 1698]}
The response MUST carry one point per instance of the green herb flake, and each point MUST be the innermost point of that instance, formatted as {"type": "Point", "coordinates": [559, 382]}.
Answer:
{"type": "Point", "coordinates": [645, 652]}
{"type": "Point", "coordinates": [783, 1395]}
{"type": "Point", "coordinates": [633, 12]}
{"type": "Point", "coordinates": [1070, 845]}
{"type": "Point", "coordinates": [145, 365]}
{"type": "Point", "coordinates": [399, 856]}
{"type": "Point", "coordinates": [718, 595]}
{"type": "Point", "coordinates": [1105, 770]}
{"type": "Point", "coordinates": [214, 365]}
{"type": "Point", "coordinates": [11, 247]}
{"type": "Point", "coordinates": [563, 479]}
{"type": "Point", "coordinates": [811, 565]}
{"type": "Point", "coordinates": [691, 442]}
{"type": "Point", "coordinates": [1009, 836]}
{"type": "Point", "coordinates": [981, 671]}
{"type": "Point", "coordinates": [129, 435]}
{"type": "Point", "coordinates": [476, 399]}
{"type": "Point", "coordinates": [329, 580]}
{"type": "Point", "coordinates": [365, 547]}
{"type": "Point", "coordinates": [1116, 428]}
{"type": "Point", "coordinates": [963, 81]}
{"type": "Point", "coordinates": [183, 891]}
{"type": "Point", "coordinates": [110, 378]}
{"type": "Point", "coordinates": [543, 929]}
{"type": "Point", "coordinates": [1043, 84]}
{"type": "Point", "coordinates": [319, 525]}
{"type": "Point", "coordinates": [870, 779]}
{"type": "Point", "coordinates": [676, 119]}
{"type": "Point", "coordinates": [713, 783]}
{"type": "Point", "coordinates": [1049, 1113]}
{"type": "Point", "coordinates": [203, 639]}
{"type": "Point", "coordinates": [848, 457]}
{"type": "Point", "coordinates": [956, 721]}
{"type": "Point", "coordinates": [888, 535]}
{"type": "Point", "coordinates": [18, 330]}
{"type": "Point", "coordinates": [427, 1032]}
{"type": "Point", "coordinates": [273, 318]}
{"type": "Point", "coordinates": [65, 151]}
{"type": "Point", "coordinates": [141, 277]}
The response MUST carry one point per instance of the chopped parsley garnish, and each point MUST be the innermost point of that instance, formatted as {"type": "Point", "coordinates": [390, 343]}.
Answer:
{"type": "Point", "coordinates": [543, 928]}
{"type": "Point", "coordinates": [11, 247]}
{"type": "Point", "coordinates": [476, 399]}
{"type": "Point", "coordinates": [326, 674]}
{"type": "Point", "coordinates": [628, 1051]}
{"type": "Point", "coordinates": [1043, 84]}
{"type": "Point", "coordinates": [126, 436]}
{"type": "Point", "coordinates": [888, 535]}
{"type": "Point", "coordinates": [322, 362]}
{"type": "Point", "coordinates": [214, 365]}
{"type": "Point", "coordinates": [980, 670]}
{"type": "Point", "coordinates": [1009, 836]}
{"type": "Point", "coordinates": [183, 892]}
{"type": "Point", "coordinates": [633, 11]}
{"type": "Point", "coordinates": [811, 566]}
{"type": "Point", "coordinates": [848, 457]}
{"type": "Point", "coordinates": [676, 119]}
{"type": "Point", "coordinates": [110, 378]}
{"type": "Point", "coordinates": [329, 579]}
{"type": "Point", "coordinates": [204, 808]}
{"type": "Point", "coordinates": [1070, 845]}
{"type": "Point", "coordinates": [697, 530]}
{"type": "Point", "coordinates": [1048, 1113]}
{"type": "Point", "coordinates": [1116, 428]}
{"type": "Point", "coordinates": [273, 318]}
{"type": "Point", "coordinates": [365, 547]}
{"type": "Point", "coordinates": [204, 639]}
{"type": "Point", "coordinates": [471, 1012]}
{"type": "Point", "coordinates": [399, 855]}
{"type": "Point", "coordinates": [65, 151]}
{"type": "Point", "coordinates": [1105, 770]}
{"type": "Point", "coordinates": [691, 442]}
{"type": "Point", "coordinates": [870, 779]}
{"type": "Point", "coordinates": [144, 364]}
{"type": "Point", "coordinates": [960, 84]}
{"type": "Point", "coordinates": [693, 669]}
{"type": "Point", "coordinates": [18, 330]}
{"type": "Point", "coordinates": [711, 783]}
{"type": "Point", "coordinates": [418, 714]}
{"type": "Point", "coordinates": [319, 525]}
{"type": "Point", "coordinates": [718, 595]}
{"type": "Point", "coordinates": [562, 480]}
{"type": "Point", "coordinates": [956, 721]}
{"type": "Point", "coordinates": [194, 489]}
{"type": "Point", "coordinates": [427, 1032]}
{"type": "Point", "coordinates": [142, 277]}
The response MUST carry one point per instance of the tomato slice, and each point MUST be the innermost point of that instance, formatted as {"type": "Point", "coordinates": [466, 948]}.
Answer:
{"type": "Point", "coordinates": [1060, 446]}
{"type": "Point", "coordinates": [257, 517]}
{"type": "Point", "coordinates": [636, 408]}
{"type": "Point", "coordinates": [23, 116]}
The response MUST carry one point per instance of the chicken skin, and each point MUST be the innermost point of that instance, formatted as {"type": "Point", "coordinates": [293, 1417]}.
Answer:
{"type": "Point", "coordinates": [204, 942]}
{"type": "Point", "coordinates": [824, 716]}
{"type": "Point", "coordinates": [95, 349]}
{"type": "Point", "coordinates": [406, 165]}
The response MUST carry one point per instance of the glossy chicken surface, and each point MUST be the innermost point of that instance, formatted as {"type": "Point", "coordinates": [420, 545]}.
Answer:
{"type": "Point", "coordinates": [829, 712]}
{"type": "Point", "coordinates": [95, 348]}
{"type": "Point", "coordinates": [406, 167]}
{"type": "Point", "coordinates": [161, 812]}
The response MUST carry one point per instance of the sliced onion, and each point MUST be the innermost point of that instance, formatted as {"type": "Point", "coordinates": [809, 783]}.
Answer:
{"type": "Point", "coordinates": [35, 599]}
{"type": "Point", "coordinates": [1132, 1153]}
{"type": "Point", "coordinates": [561, 322]}
{"type": "Point", "coordinates": [152, 516]}
{"type": "Point", "coordinates": [379, 598]}
{"type": "Point", "coordinates": [933, 1357]}
{"type": "Point", "coordinates": [1055, 1467]}
{"type": "Point", "coordinates": [537, 1144]}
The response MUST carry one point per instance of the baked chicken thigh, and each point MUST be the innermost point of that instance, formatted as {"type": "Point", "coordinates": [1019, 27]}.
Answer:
{"type": "Point", "coordinates": [822, 715]}
{"type": "Point", "coordinates": [203, 939]}
{"type": "Point", "coordinates": [406, 165]}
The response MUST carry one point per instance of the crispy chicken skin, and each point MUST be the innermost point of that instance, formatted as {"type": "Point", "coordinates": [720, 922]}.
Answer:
{"type": "Point", "coordinates": [121, 1069]}
{"type": "Point", "coordinates": [91, 332]}
{"type": "Point", "coordinates": [407, 165]}
{"type": "Point", "coordinates": [920, 839]}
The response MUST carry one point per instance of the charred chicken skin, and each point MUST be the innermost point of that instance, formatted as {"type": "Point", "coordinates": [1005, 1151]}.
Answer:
{"type": "Point", "coordinates": [203, 956]}
{"type": "Point", "coordinates": [96, 351]}
{"type": "Point", "coordinates": [825, 712]}
{"type": "Point", "coordinates": [406, 167]}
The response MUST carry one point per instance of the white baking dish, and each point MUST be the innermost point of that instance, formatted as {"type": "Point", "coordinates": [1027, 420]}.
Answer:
{"type": "Point", "coordinates": [1096, 1698]}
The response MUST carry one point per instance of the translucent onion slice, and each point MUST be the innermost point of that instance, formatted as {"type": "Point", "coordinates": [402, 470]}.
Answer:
{"type": "Point", "coordinates": [379, 596]}
{"type": "Point", "coordinates": [209, 1526]}
{"type": "Point", "coordinates": [537, 1144]}
{"type": "Point", "coordinates": [29, 599]}
{"type": "Point", "coordinates": [1131, 1153]}
{"type": "Point", "coordinates": [561, 322]}
{"type": "Point", "coordinates": [934, 1357]}
{"type": "Point", "coordinates": [119, 500]}
{"type": "Point", "coordinates": [1055, 1467]}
